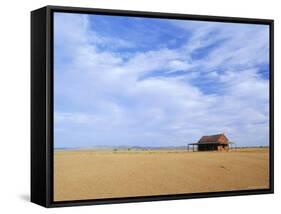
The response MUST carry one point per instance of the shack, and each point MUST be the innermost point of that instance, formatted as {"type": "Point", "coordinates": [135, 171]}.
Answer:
{"type": "Point", "coordinates": [218, 142]}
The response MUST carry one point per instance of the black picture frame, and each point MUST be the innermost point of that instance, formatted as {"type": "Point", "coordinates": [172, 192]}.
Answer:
{"type": "Point", "coordinates": [42, 105]}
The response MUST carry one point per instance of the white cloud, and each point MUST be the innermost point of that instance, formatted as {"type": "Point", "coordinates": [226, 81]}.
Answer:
{"type": "Point", "coordinates": [103, 98]}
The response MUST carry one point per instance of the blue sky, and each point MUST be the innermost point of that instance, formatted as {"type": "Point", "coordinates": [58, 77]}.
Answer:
{"type": "Point", "coordinates": [158, 82]}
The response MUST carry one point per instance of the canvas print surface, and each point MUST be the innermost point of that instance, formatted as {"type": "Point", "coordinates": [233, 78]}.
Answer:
{"type": "Point", "coordinates": [148, 106]}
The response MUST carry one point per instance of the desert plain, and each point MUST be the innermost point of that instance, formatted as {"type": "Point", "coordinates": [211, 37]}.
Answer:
{"type": "Point", "coordinates": [97, 174]}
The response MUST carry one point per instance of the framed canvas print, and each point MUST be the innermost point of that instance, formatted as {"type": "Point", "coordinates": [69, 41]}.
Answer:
{"type": "Point", "coordinates": [131, 106]}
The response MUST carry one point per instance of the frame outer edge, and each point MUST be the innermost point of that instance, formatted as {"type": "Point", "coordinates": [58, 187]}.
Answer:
{"type": "Point", "coordinates": [38, 107]}
{"type": "Point", "coordinates": [49, 109]}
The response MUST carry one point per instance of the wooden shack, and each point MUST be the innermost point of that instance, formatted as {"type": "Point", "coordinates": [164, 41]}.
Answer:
{"type": "Point", "coordinates": [218, 142]}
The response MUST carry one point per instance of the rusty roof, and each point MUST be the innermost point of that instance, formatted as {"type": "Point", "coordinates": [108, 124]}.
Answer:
{"type": "Point", "coordinates": [212, 139]}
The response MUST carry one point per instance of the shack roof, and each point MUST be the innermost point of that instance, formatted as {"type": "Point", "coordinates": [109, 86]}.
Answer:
{"type": "Point", "coordinates": [213, 139]}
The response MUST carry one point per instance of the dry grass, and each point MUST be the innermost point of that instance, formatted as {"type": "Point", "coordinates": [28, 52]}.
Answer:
{"type": "Point", "coordinates": [89, 174]}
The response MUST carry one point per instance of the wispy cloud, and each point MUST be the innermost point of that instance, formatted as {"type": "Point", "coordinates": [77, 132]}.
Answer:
{"type": "Point", "coordinates": [111, 91]}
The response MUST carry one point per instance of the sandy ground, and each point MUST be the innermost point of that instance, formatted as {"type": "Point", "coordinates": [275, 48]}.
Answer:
{"type": "Point", "coordinates": [89, 174]}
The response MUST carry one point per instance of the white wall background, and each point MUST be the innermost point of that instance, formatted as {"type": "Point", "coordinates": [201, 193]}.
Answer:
{"type": "Point", "coordinates": [15, 105]}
